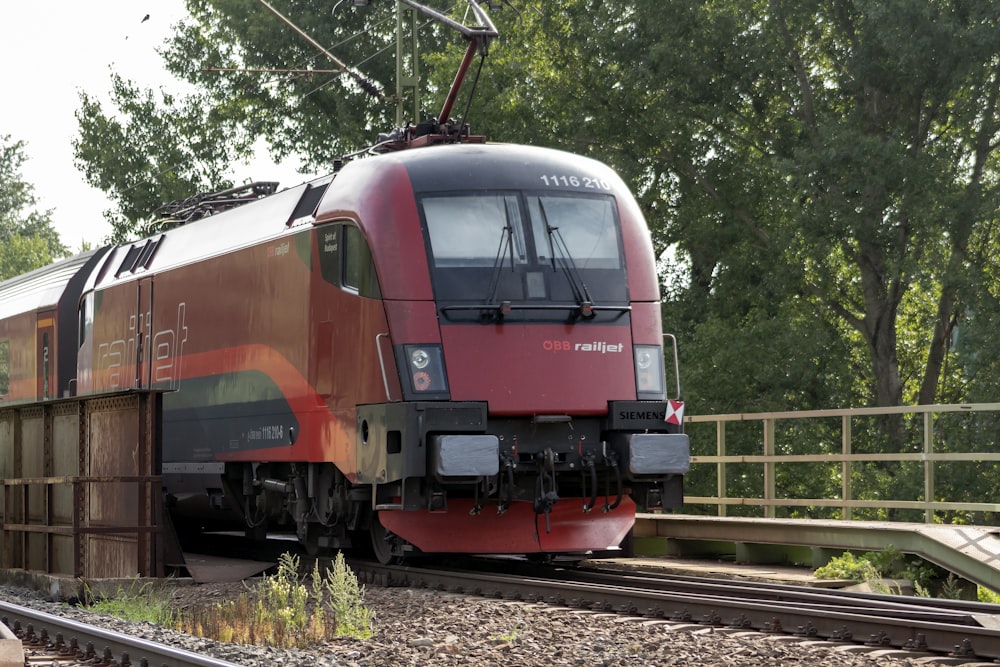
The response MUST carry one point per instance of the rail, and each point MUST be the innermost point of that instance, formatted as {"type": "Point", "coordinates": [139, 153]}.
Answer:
{"type": "Point", "coordinates": [897, 441]}
{"type": "Point", "coordinates": [95, 645]}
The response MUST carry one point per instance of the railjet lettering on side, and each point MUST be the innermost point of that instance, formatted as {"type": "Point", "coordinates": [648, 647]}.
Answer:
{"type": "Point", "coordinates": [115, 358]}
{"type": "Point", "coordinates": [279, 249]}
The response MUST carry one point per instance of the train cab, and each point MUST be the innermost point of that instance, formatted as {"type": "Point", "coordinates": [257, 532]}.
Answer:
{"type": "Point", "coordinates": [528, 404]}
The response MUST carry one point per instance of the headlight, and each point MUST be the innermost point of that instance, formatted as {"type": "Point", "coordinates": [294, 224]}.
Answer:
{"type": "Point", "coordinates": [644, 358]}
{"type": "Point", "coordinates": [426, 370]}
{"type": "Point", "coordinates": [649, 372]}
{"type": "Point", "coordinates": [419, 358]}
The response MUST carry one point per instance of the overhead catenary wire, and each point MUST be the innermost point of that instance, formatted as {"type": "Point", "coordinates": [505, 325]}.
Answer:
{"type": "Point", "coordinates": [364, 82]}
{"type": "Point", "coordinates": [298, 72]}
{"type": "Point", "coordinates": [259, 70]}
{"type": "Point", "coordinates": [302, 68]}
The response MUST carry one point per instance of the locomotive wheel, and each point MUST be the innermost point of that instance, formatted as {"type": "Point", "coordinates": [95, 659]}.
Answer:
{"type": "Point", "coordinates": [540, 558]}
{"type": "Point", "coordinates": [381, 541]}
{"type": "Point", "coordinates": [311, 543]}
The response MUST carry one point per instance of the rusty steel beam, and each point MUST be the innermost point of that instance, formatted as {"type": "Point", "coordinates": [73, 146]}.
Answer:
{"type": "Point", "coordinates": [81, 486]}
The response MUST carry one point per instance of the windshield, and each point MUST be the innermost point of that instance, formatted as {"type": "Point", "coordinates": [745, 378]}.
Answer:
{"type": "Point", "coordinates": [487, 247]}
{"type": "Point", "coordinates": [468, 230]}
{"type": "Point", "coordinates": [587, 226]}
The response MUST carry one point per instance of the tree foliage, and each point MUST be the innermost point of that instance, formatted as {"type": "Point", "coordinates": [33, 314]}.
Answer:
{"type": "Point", "coordinates": [255, 82]}
{"type": "Point", "coordinates": [27, 238]}
{"type": "Point", "coordinates": [168, 148]}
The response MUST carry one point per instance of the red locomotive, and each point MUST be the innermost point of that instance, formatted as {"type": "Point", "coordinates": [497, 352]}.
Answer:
{"type": "Point", "coordinates": [455, 348]}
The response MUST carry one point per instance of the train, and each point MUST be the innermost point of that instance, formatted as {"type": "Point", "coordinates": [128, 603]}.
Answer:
{"type": "Point", "coordinates": [455, 348]}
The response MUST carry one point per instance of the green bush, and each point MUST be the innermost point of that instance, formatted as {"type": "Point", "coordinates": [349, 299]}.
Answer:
{"type": "Point", "coordinates": [987, 595]}
{"type": "Point", "coordinates": [848, 566]}
{"type": "Point", "coordinates": [890, 563]}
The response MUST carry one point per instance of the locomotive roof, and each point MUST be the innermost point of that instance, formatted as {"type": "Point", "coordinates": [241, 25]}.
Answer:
{"type": "Point", "coordinates": [451, 166]}
{"type": "Point", "coordinates": [40, 288]}
{"type": "Point", "coordinates": [489, 166]}
{"type": "Point", "coordinates": [266, 218]}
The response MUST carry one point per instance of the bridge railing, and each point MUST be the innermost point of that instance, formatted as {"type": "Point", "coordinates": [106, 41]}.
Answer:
{"type": "Point", "coordinates": [761, 460]}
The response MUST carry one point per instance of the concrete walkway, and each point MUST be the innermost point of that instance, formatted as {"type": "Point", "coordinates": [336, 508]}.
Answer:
{"type": "Point", "coordinates": [971, 552]}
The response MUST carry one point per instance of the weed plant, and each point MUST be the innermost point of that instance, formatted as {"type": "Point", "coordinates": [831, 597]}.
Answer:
{"type": "Point", "coordinates": [279, 610]}
{"type": "Point", "coordinates": [282, 611]}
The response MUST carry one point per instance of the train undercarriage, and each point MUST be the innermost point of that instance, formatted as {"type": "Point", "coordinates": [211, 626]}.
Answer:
{"type": "Point", "coordinates": [442, 477]}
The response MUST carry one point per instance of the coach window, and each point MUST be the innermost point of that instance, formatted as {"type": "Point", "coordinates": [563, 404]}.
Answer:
{"type": "Point", "coordinates": [4, 367]}
{"type": "Point", "coordinates": [359, 269]}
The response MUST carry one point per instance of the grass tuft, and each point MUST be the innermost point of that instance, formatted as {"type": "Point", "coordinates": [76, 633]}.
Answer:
{"type": "Point", "coordinates": [139, 603]}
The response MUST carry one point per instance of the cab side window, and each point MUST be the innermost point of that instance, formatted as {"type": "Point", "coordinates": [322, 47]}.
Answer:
{"type": "Point", "coordinates": [359, 269]}
{"type": "Point", "coordinates": [86, 325]}
{"type": "Point", "coordinates": [329, 252]}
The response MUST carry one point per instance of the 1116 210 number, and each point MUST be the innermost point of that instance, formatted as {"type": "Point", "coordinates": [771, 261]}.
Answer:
{"type": "Point", "coordinates": [586, 182]}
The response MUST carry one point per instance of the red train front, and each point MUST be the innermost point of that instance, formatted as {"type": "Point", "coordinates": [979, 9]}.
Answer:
{"type": "Point", "coordinates": [454, 348]}
{"type": "Point", "coordinates": [523, 405]}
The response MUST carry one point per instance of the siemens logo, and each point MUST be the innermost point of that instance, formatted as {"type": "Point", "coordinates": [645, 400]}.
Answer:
{"type": "Point", "coordinates": [626, 415]}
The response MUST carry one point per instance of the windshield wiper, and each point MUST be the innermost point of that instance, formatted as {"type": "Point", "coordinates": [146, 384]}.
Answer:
{"type": "Point", "coordinates": [506, 244]}
{"type": "Point", "coordinates": [557, 246]}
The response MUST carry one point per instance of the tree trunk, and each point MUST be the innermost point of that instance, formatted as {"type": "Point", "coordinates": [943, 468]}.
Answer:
{"type": "Point", "coordinates": [882, 298]}
{"type": "Point", "coordinates": [943, 324]}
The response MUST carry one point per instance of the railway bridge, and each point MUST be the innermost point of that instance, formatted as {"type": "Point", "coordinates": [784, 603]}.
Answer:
{"type": "Point", "coordinates": [930, 490]}
{"type": "Point", "coordinates": [95, 512]}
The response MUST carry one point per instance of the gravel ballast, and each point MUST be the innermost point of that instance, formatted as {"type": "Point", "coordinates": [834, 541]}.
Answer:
{"type": "Point", "coordinates": [418, 627]}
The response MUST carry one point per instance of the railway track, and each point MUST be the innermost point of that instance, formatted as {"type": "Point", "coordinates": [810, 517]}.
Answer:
{"type": "Point", "coordinates": [965, 630]}
{"type": "Point", "coordinates": [968, 632]}
{"type": "Point", "coordinates": [53, 640]}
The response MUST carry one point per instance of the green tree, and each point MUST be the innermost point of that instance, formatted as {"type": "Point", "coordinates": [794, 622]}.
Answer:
{"type": "Point", "coordinates": [27, 238]}
{"type": "Point", "coordinates": [166, 148]}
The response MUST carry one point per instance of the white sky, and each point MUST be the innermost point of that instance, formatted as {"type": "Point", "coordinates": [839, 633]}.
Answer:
{"type": "Point", "coordinates": [50, 50]}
